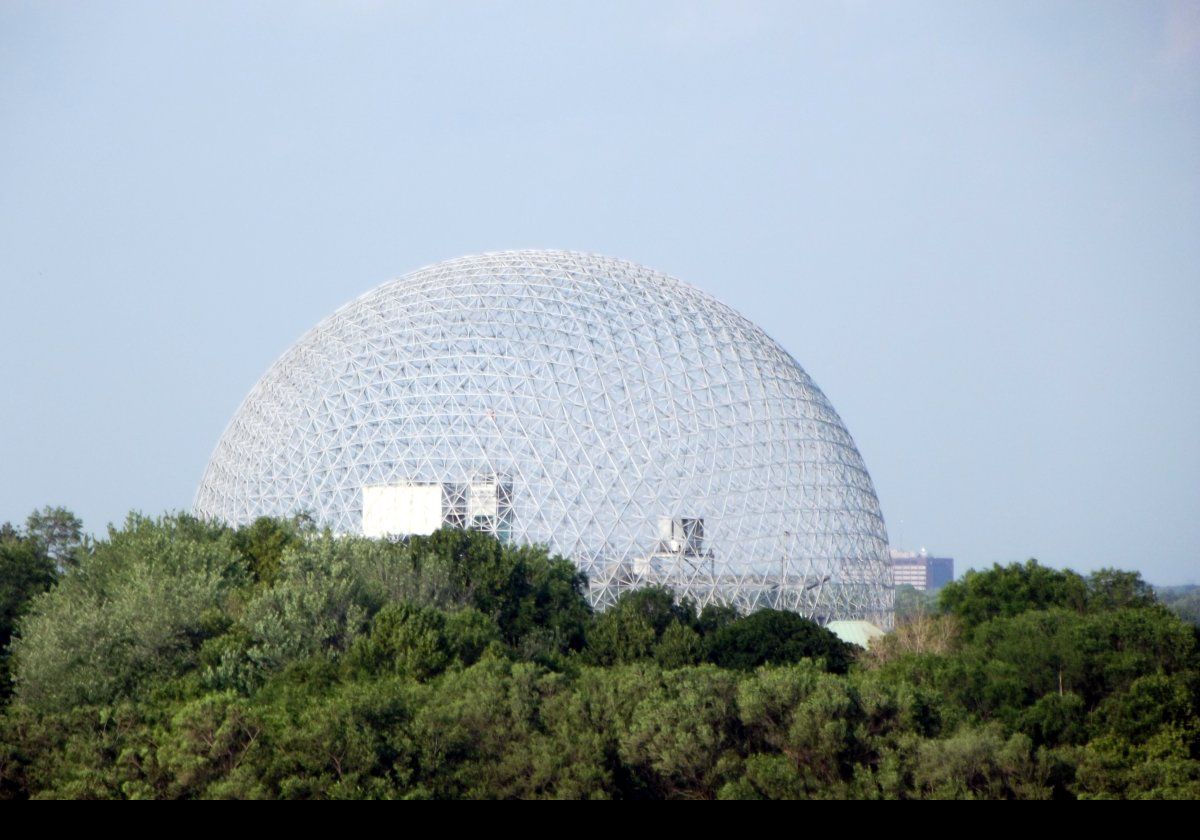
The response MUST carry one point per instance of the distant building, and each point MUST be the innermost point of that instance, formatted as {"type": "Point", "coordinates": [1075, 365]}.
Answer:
{"type": "Point", "coordinates": [920, 571]}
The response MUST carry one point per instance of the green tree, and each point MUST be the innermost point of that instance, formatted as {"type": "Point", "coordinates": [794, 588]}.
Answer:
{"type": "Point", "coordinates": [60, 534]}
{"type": "Point", "coordinates": [1184, 601]}
{"type": "Point", "coordinates": [1163, 767]}
{"type": "Point", "coordinates": [404, 639]}
{"type": "Point", "coordinates": [807, 716]}
{"type": "Point", "coordinates": [632, 628]}
{"type": "Point", "coordinates": [26, 570]}
{"type": "Point", "coordinates": [136, 612]}
{"type": "Point", "coordinates": [681, 738]}
{"type": "Point", "coordinates": [980, 764]}
{"type": "Point", "coordinates": [187, 659]}
{"type": "Point", "coordinates": [1149, 705]}
{"type": "Point", "coordinates": [1111, 589]}
{"type": "Point", "coordinates": [264, 541]}
{"type": "Point", "coordinates": [522, 588]}
{"type": "Point", "coordinates": [1011, 590]}
{"type": "Point", "coordinates": [778, 638]}
{"type": "Point", "coordinates": [912, 603]}
{"type": "Point", "coordinates": [470, 633]}
{"type": "Point", "coordinates": [1055, 720]}
{"type": "Point", "coordinates": [679, 645]}
{"type": "Point", "coordinates": [318, 606]}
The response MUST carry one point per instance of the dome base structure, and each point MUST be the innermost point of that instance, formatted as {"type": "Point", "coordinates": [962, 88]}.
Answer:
{"type": "Point", "coordinates": [609, 412]}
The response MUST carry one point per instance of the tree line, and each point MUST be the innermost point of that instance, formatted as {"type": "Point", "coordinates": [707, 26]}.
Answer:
{"type": "Point", "coordinates": [177, 658]}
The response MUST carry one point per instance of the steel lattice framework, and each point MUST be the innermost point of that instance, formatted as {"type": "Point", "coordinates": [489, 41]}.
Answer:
{"type": "Point", "coordinates": [635, 424]}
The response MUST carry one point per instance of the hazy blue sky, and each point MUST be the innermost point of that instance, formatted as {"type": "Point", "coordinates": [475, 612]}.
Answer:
{"type": "Point", "coordinates": [976, 225]}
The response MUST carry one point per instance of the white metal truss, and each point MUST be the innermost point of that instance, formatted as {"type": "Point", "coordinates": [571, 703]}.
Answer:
{"type": "Point", "coordinates": [609, 397]}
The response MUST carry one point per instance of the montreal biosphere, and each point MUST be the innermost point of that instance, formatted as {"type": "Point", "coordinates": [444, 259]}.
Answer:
{"type": "Point", "coordinates": [613, 414]}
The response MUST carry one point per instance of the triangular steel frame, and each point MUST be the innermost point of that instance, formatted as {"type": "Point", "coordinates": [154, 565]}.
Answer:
{"type": "Point", "coordinates": [608, 394]}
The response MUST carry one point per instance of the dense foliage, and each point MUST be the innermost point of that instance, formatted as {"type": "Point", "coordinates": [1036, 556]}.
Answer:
{"type": "Point", "coordinates": [30, 560]}
{"type": "Point", "coordinates": [179, 659]}
{"type": "Point", "coordinates": [1183, 600]}
{"type": "Point", "coordinates": [912, 603]}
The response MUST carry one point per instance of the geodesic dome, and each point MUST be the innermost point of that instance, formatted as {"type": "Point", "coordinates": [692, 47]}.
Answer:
{"type": "Point", "coordinates": [620, 417]}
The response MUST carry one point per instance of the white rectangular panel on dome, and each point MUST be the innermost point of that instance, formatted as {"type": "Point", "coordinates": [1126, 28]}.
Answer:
{"type": "Point", "coordinates": [483, 499]}
{"type": "Point", "coordinates": [401, 509]}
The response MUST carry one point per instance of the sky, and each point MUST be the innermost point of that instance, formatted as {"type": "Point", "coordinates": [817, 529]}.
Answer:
{"type": "Point", "coordinates": [976, 225]}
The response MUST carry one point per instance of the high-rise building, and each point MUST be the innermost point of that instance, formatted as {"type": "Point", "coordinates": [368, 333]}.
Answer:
{"type": "Point", "coordinates": [921, 571]}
